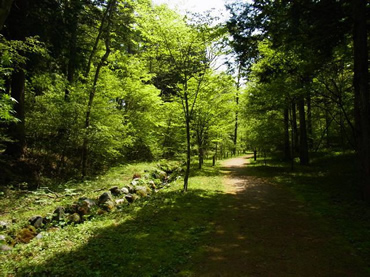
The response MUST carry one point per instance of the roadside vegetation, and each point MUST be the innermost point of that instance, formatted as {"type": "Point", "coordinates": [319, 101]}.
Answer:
{"type": "Point", "coordinates": [150, 237]}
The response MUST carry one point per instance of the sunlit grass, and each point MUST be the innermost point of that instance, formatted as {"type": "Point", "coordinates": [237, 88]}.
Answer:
{"type": "Point", "coordinates": [156, 236]}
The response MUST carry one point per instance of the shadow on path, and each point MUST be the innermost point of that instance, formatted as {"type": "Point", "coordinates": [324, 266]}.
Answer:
{"type": "Point", "coordinates": [263, 230]}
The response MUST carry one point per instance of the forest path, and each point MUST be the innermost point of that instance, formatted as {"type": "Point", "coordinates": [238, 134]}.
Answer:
{"type": "Point", "coordinates": [265, 231]}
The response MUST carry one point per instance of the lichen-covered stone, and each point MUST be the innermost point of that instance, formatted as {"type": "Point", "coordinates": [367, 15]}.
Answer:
{"type": "Point", "coordinates": [115, 191]}
{"type": "Point", "coordinates": [36, 221]}
{"type": "Point", "coordinates": [106, 196]}
{"type": "Point", "coordinates": [120, 202]}
{"type": "Point", "coordinates": [74, 218]}
{"type": "Point", "coordinates": [142, 191]}
{"type": "Point", "coordinates": [59, 214]}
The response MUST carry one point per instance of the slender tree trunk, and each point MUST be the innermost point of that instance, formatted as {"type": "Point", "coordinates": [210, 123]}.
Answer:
{"type": "Point", "coordinates": [75, 8]}
{"type": "Point", "coordinates": [17, 129]}
{"type": "Point", "coordinates": [292, 144]}
{"type": "Point", "coordinates": [201, 158]}
{"type": "Point", "coordinates": [237, 110]}
{"type": "Point", "coordinates": [102, 62]}
{"type": "Point", "coordinates": [309, 122]}
{"type": "Point", "coordinates": [327, 124]}
{"type": "Point", "coordinates": [294, 127]}
{"type": "Point", "coordinates": [303, 145]}
{"type": "Point", "coordinates": [187, 121]}
{"type": "Point", "coordinates": [286, 135]}
{"type": "Point", "coordinates": [361, 86]}
{"type": "Point", "coordinates": [5, 6]}
{"type": "Point", "coordinates": [18, 30]}
{"type": "Point", "coordinates": [100, 32]}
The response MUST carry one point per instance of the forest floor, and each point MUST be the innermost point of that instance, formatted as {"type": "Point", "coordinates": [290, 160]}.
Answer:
{"type": "Point", "coordinates": [264, 230]}
{"type": "Point", "coordinates": [236, 219]}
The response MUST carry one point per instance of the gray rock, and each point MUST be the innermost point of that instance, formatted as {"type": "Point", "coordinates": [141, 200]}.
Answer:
{"type": "Point", "coordinates": [2, 238]}
{"type": "Point", "coordinates": [84, 206]}
{"type": "Point", "coordinates": [39, 236]}
{"type": "Point", "coordinates": [4, 248]}
{"type": "Point", "coordinates": [106, 201]}
{"type": "Point", "coordinates": [36, 221]}
{"type": "Point", "coordinates": [152, 184]}
{"type": "Point", "coordinates": [3, 225]}
{"type": "Point", "coordinates": [129, 197]}
{"type": "Point", "coordinates": [125, 190]}
{"type": "Point", "coordinates": [120, 201]}
{"type": "Point", "coordinates": [142, 191]}
{"type": "Point", "coordinates": [115, 191]}
{"type": "Point", "coordinates": [59, 214]}
{"type": "Point", "coordinates": [105, 197]}
{"type": "Point", "coordinates": [135, 181]}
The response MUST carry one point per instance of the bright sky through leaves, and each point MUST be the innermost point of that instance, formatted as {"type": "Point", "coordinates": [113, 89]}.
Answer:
{"type": "Point", "coordinates": [193, 5]}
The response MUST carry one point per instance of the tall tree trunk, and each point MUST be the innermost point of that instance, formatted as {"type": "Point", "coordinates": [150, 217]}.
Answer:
{"type": "Point", "coordinates": [303, 143]}
{"type": "Point", "coordinates": [102, 62]}
{"type": "Point", "coordinates": [187, 122]}
{"type": "Point", "coordinates": [17, 129]}
{"type": "Point", "coordinates": [287, 155]}
{"type": "Point", "coordinates": [327, 124]}
{"type": "Point", "coordinates": [18, 30]}
{"type": "Point", "coordinates": [100, 33]}
{"type": "Point", "coordinates": [75, 9]}
{"type": "Point", "coordinates": [294, 127]}
{"type": "Point", "coordinates": [237, 110]}
{"type": "Point", "coordinates": [309, 122]}
{"type": "Point", "coordinates": [361, 86]}
{"type": "Point", "coordinates": [5, 6]}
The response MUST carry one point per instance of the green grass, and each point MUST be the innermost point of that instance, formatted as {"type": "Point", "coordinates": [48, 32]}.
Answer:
{"type": "Point", "coordinates": [155, 236]}
{"type": "Point", "coordinates": [329, 188]}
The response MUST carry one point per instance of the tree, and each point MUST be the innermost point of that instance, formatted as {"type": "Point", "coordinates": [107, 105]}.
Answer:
{"type": "Point", "coordinates": [187, 50]}
{"type": "Point", "coordinates": [5, 6]}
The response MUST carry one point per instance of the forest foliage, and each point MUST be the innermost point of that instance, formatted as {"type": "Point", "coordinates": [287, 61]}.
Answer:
{"type": "Point", "coordinates": [86, 84]}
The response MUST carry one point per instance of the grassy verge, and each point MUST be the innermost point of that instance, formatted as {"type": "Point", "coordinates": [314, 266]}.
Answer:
{"type": "Point", "coordinates": [155, 236]}
{"type": "Point", "coordinates": [329, 188]}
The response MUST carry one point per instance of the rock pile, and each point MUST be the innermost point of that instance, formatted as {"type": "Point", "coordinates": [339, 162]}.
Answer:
{"type": "Point", "coordinates": [84, 208]}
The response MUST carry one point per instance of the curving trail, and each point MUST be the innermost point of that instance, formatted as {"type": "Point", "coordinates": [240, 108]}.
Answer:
{"type": "Point", "coordinates": [263, 230]}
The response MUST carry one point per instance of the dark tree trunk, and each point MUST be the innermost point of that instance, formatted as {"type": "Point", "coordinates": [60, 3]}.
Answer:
{"type": "Point", "coordinates": [237, 110]}
{"type": "Point", "coordinates": [327, 124]}
{"type": "Point", "coordinates": [17, 30]}
{"type": "Point", "coordinates": [303, 143]}
{"type": "Point", "coordinates": [200, 158]}
{"type": "Point", "coordinates": [17, 129]}
{"type": "Point", "coordinates": [361, 86]}
{"type": "Point", "coordinates": [5, 6]}
{"type": "Point", "coordinates": [187, 171]}
{"type": "Point", "coordinates": [102, 62]}
{"type": "Point", "coordinates": [294, 128]}
{"type": "Point", "coordinates": [309, 123]}
{"type": "Point", "coordinates": [287, 155]}
{"type": "Point", "coordinates": [75, 9]}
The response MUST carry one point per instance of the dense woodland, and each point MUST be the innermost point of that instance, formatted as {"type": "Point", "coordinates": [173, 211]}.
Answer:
{"type": "Point", "coordinates": [87, 84]}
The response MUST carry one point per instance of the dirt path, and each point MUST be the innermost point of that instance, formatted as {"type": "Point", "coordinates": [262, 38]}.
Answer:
{"type": "Point", "coordinates": [265, 231]}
